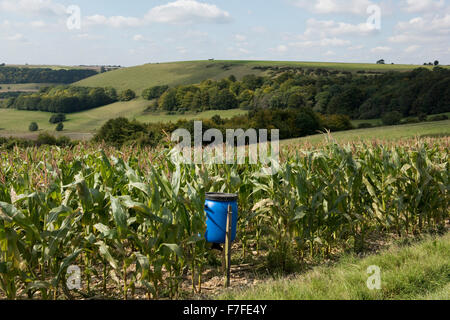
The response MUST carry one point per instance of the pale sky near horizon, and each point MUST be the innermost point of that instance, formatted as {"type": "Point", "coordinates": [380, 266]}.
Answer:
{"type": "Point", "coordinates": [136, 32]}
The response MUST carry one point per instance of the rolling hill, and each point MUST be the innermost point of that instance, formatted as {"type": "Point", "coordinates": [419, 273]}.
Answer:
{"type": "Point", "coordinates": [181, 73]}
{"type": "Point", "coordinates": [15, 122]}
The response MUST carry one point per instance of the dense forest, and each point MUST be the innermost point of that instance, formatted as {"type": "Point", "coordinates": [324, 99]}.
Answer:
{"type": "Point", "coordinates": [359, 96]}
{"type": "Point", "coordinates": [14, 75]}
{"type": "Point", "coordinates": [63, 99]}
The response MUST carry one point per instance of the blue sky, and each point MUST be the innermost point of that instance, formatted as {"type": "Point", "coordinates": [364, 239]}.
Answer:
{"type": "Point", "coordinates": [136, 31]}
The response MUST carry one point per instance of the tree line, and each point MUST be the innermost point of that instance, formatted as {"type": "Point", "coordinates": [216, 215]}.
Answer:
{"type": "Point", "coordinates": [359, 96]}
{"type": "Point", "coordinates": [63, 99]}
{"type": "Point", "coordinates": [16, 75]}
{"type": "Point", "coordinates": [292, 123]}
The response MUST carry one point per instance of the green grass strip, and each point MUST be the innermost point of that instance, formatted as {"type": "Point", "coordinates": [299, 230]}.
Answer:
{"type": "Point", "coordinates": [419, 272]}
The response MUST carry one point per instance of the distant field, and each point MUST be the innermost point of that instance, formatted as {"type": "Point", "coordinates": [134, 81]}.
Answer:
{"type": "Point", "coordinates": [27, 87]}
{"type": "Point", "coordinates": [334, 65]}
{"type": "Point", "coordinates": [180, 73]}
{"type": "Point", "coordinates": [423, 129]}
{"type": "Point", "coordinates": [53, 67]}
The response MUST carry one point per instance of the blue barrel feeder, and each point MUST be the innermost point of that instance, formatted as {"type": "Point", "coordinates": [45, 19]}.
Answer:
{"type": "Point", "coordinates": [216, 208]}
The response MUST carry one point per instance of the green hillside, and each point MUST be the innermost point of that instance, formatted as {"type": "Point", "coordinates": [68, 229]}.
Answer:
{"type": "Point", "coordinates": [178, 73]}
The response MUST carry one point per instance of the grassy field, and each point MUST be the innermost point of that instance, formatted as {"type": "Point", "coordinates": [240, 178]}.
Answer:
{"type": "Point", "coordinates": [420, 271]}
{"type": "Point", "coordinates": [15, 122]}
{"type": "Point", "coordinates": [179, 73]}
{"type": "Point", "coordinates": [26, 87]}
{"type": "Point", "coordinates": [424, 129]}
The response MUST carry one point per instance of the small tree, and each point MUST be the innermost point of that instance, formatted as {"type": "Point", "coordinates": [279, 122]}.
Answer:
{"type": "Point", "coordinates": [127, 95]}
{"type": "Point", "coordinates": [57, 118]}
{"type": "Point", "coordinates": [60, 127]}
{"type": "Point", "coordinates": [436, 63]}
{"type": "Point", "coordinates": [33, 127]}
{"type": "Point", "coordinates": [392, 118]}
{"type": "Point", "coordinates": [422, 117]}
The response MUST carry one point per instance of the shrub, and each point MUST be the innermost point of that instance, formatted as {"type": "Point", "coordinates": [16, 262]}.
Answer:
{"type": "Point", "coordinates": [57, 118]}
{"type": "Point", "coordinates": [392, 118]}
{"type": "Point", "coordinates": [46, 139]}
{"type": "Point", "coordinates": [60, 127]}
{"type": "Point", "coordinates": [422, 117]}
{"type": "Point", "coordinates": [410, 121]}
{"type": "Point", "coordinates": [365, 125]}
{"type": "Point", "coordinates": [336, 122]}
{"type": "Point", "coordinates": [154, 92]}
{"type": "Point", "coordinates": [118, 131]}
{"type": "Point", "coordinates": [151, 108]}
{"type": "Point", "coordinates": [127, 95]}
{"type": "Point", "coordinates": [10, 143]}
{"type": "Point", "coordinates": [440, 117]}
{"type": "Point", "coordinates": [64, 141]}
{"type": "Point", "coordinates": [33, 127]}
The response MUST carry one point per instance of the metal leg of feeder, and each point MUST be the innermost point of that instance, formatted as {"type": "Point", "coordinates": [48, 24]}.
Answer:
{"type": "Point", "coordinates": [228, 247]}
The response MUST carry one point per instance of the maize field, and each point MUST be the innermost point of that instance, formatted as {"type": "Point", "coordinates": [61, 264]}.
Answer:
{"type": "Point", "coordinates": [133, 220]}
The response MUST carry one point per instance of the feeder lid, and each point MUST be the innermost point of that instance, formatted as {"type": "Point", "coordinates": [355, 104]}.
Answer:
{"type": "Point", "coordinates": [221, 197]}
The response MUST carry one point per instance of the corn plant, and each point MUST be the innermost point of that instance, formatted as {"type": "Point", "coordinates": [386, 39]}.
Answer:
{"type": "Point", "coordinates": [134, 220]}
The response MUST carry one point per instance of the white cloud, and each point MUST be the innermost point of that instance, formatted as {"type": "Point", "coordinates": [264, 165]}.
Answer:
{"type": "Point", "coordinates": [326, 33]}
{"type": "Point", "coordinates": [182, 50]}
{"type": "Point", "coordinates": [5, 24]}
{"type": "Point", "coordinates": [178, 12]}
{"type": "Point", "coordinates": [358, 7]}
{"type": "Point", "coordinates": [138, 37]}
{"type": "Point", "coordinates": [240, 37]}
{"type": "Point", "coordinates": [187, 11]}
{"type": "Point", "coordinates": [412, 49]}
{"type": "Point", "coordinates": [280, 49]}
{"type": "Point", "coordinates": [114, 21]}
{"type": "Point", "coordinates": [244, 51]}
{"type": "Point", "coordinates": [33, 7]}
{"type": "Point", "coordinates": [141, 38]}
{"type": "Point", "coordinates": [18, 37]}
{"type": "Point", "coordinates": [423, 30]}
{"type": "Point", "coordinates": [38, 24]}
{"type": "Point", "coordinates": [326, 42]}
{"type": "Point", "coordinates": [238, 51]}
{"type": "Point", "coordinates": [357, 47]}
{"type": "Point", "coordinates": [331, 28]}
{"type": "Point", "coordinates": [381, 50]}
{"type": "Point", "coordinates": [414, 6]}
{"type": "Point", "coordinates": [259, 29]}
